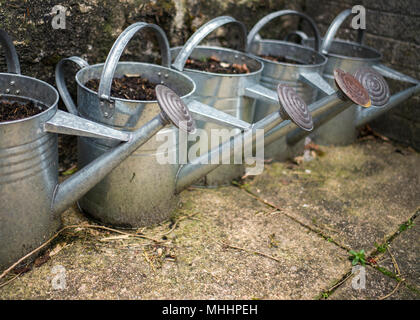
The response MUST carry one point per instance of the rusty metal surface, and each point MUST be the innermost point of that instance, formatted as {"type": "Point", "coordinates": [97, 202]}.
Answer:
{"type": "Point", "coordinates": [351, 88]}
{"type": "Point", "coordinates": [294, 108]}
{"type": "Point", "coordinates": [175, 109]}
{"type": "Point", "coordinates": [375, 84]}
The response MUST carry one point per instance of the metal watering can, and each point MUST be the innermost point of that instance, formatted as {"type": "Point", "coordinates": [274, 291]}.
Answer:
{"type": "Point", "coordinates": [351, 56]}
{"type": "Point", "coordinates": [305, 78]}
{"type": "Point", "coordinates": [31, 197]}
{"type": "Point", "coordinates": [234, 94]}
{"type": "Point", "coordinates": [130, 196]}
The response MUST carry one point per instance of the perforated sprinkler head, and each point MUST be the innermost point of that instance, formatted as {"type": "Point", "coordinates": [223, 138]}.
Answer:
{"type": "Point", "coordinates": [174, 109]}
{"type": "Point", "coordinates": [375, 84]}
{"type": "Point", "coordinates": [352, 88]}
{"type": "Point", "coordinates": [294, 108]}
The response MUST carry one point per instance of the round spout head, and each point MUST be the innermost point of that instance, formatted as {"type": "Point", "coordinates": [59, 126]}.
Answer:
{"type": "Point", "coordinates": [294, 108]}
{"type": "Point", "coordinates": [174, 109]}
{"type": "Point", "coordinates": [375, 84]}
{"type": "Point", "coordinates": [352, 88]}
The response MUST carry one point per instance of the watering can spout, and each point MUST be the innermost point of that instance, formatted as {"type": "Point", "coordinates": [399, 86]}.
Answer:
{"type": "Point", "coordinates": [82, 181]}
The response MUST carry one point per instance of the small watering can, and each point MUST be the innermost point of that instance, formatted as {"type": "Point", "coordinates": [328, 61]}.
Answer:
{"type": "Point", "coordinates": [234, 94]}
{"type": "Point", "coordinates": [351, 56]}
{"type": "Point", "coordinates": [305, 77]}
{"type": "Point", "coordinates": [31, 197]}
{"type": "Point", "coordinates": [130, 196]}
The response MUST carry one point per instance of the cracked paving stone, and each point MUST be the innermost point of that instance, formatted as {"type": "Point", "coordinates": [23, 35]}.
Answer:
{"type": "Point", "coordinates": [406, 250]}
{"type": "Point", "coordinates": [357, 194]}
{"type": "Point", "coordinates": [377, 285]}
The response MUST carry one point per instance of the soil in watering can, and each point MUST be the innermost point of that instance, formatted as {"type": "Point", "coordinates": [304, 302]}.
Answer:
{"type": "Point", "coordinates": [281, 59]}
{"type": "Point", "coordinates": [13, 110]}
{"type": "Point", "coordinates": [131, 87]}
{"type": "Point", "coordinates": [214, 65]}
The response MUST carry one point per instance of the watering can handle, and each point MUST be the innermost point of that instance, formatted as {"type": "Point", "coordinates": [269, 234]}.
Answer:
{"type": "Point", "coordinates": [61, 84]}
{"type": "Point", "coordinates": [333, 28]}
{"type": "Point", "coordinates": [302, 35]}
{"type": "Point", "coordinates": [104, 91]}
{"type": "Point", "coordinates": [203, 32]}
{"type": "Point", "coordinates": [260, 24]}
{"type": "Point", "coordinates": [12, 60]}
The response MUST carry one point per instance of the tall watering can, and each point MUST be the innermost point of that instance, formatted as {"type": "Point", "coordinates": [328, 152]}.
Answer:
{"type": "Point", "coordinates": [137, 183]}
{"type": "Point", "coordinates": [351, 56]}
{"type": "Point", "coordinates": [234, 94]}
{"type": "Point", "coordinates": [305, 75]}
{"type": "Point", "coordinates": [31, 197]}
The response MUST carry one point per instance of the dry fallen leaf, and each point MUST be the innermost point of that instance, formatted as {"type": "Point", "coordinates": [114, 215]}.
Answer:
{"type": "Point", "coordinates": [57, 249]}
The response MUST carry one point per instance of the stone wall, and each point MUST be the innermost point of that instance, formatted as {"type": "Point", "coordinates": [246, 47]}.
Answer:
{"type": "Point", "coordinates": [92, 26]}
{"type": "Point", "coordinates": [393, 29]}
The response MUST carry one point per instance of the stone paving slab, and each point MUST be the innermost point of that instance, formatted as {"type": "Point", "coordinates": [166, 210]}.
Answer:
{"type": "Point", "coordinates": [357, 194]}
{"type": "Point", "coordinates": [194, 265]}
{"type": "Point", "coordinates": [377, 286]}
{"type": "Point", "coordinates": [405, 248]}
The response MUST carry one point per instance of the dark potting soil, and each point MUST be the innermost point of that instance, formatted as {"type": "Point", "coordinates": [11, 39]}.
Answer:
{"type": "Point", "coordinates": [128, 87]}
{"type": "Point", "coordinates": [16, 110]}
{"type": "Point", "coordinates": [281, 59]}
{"type": "Point", "coordinates": [214, 65]}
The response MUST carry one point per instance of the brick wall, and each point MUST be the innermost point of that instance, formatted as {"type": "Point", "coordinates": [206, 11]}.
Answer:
{"type": "Point", "coordinates": [393, 29]}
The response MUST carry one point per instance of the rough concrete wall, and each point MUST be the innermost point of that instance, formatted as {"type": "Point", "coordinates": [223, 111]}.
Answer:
{"type": "Point", "coordinates": [393, 29]}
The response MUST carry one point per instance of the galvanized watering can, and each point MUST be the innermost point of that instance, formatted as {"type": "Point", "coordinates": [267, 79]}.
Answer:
{"type": "Point", "coordinates": [234, 94]}
{"type": "Point", "coordinates": [130, 196]}
{"type": "Point", "coordinates": [305, 77]}
{"type": "Point", "coordinates": [351, 56]}
{"type": "Point", "coordinates": [31, 197]}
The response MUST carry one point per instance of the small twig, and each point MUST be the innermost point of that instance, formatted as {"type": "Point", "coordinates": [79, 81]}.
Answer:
{"type": "Point", "coordinates": [176, 224]}
{"type": "Point", "coordinates": [249, 251]}
{"type": "Point", "coordinates": [135, 235]}
{"type": "Point", "coordinates": [341, 282]}
{"type": "Point", "coordinates": [392, 292]}
{"type": "Point", "coordinates": [397, 268]}
{"type": "Point", "coordinates": [8, 281]}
